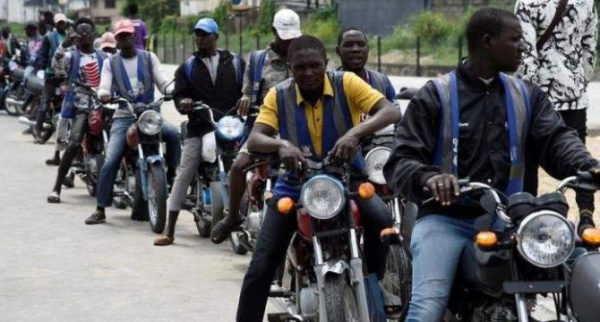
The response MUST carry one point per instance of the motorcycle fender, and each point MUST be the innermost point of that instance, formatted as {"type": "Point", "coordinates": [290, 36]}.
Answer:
{"type": "Point", "coordinates": [209, 147]}
{"type": "Point", "coordinates": [337, 267]}
{"type": "Point", "coordinates": [154, 159]}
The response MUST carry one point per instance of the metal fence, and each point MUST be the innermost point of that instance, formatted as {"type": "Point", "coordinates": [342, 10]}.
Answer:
{"type": "Point", "coordinates": [412, 57]}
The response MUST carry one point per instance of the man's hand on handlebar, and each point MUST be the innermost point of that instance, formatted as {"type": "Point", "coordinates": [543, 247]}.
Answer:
{"type": "Point", "coordinates": [345, 148]}
{"type": "Point", "coordinates": [444, 188]}
{"type": "Point", "coordinates": [105, 99]}
{"type": "Point", "coordinates": [243, 105]}
{"type": "Point", "coordinates": [185, 105]}
{"type": "Point", "coordinates": [291, 157]}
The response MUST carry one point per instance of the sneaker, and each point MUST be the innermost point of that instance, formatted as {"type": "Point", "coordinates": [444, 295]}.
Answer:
{"type": "Point", "coordinates": [98, 217]}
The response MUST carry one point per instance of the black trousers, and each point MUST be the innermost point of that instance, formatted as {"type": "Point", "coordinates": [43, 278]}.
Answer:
{"type": "Point", "coordinates": [575, 119]}
{"type": "Point", "coordinates": [49, 89]}
{"type": "Point", "coordinates": [275, 235]}
{"type": "Point", "coordinates": [78, 131]}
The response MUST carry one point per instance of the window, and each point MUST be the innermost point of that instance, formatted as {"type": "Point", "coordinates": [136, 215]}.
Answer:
{"type": "Point", "coordinates": [110, 4]}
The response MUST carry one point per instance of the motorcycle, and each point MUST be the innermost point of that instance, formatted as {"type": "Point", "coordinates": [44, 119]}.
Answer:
{"type": "Point", "coordinates": [325, 255]}
{"type": "Point", "coordinates": [533, 254]}
{"type": "Point", "coordinates": [17, 98]}
{"type": "Point", "coordinates": [210, 193]}
{"type": "Point", "coordinates": [95, 141]}
{"type": "Point", "coordinates": [142, 182]}
{"type": "Point", "coordinates": [34, 86]}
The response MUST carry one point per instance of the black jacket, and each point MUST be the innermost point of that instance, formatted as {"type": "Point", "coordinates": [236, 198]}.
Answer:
{"type": "Point", "coordinates": [222, 96]}
{"type": "Point", "coordinates": [483, 154]}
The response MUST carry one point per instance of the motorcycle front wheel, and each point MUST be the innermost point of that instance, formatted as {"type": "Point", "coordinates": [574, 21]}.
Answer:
{"type": "Point", "coordinates": [340, 302]}
{"type": "Point", "coordinates": [157, 197]}
{"type": "Point", "coordinates": [140, 206]}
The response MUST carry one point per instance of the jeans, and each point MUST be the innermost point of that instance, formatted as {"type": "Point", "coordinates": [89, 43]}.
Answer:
{"type": "Point", "coordinates": [275, 235]}
{"type": "Point", "coordinates": [438, 244]}
{"type": "Point", "coordinates": [117, 146]}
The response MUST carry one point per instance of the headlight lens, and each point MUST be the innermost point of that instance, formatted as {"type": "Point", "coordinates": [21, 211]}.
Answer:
{"type": "Point", "coordinates": [323, 197]}
{"type": "Point", "coordinates": [546, 239]}
{"type": "Point", "coordinates": [150, 122]}
{"type": "Point", "coordinates": [230, 128]}
{"type": "Point", "coordinates": [374, 162]}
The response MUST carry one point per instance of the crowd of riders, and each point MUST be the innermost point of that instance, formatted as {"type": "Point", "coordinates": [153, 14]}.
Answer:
{"type": "Point", "coordinates": [479, 122]}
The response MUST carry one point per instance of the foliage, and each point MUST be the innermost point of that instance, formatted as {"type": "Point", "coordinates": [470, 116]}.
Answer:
{"type": "Point", "coordinates": [265, 17]}
{"type": "Point", "coordinates": [222, 12]}
{"type": "Point", "coordinates": [402, 38]}
{"type": "Point", "coordinates": [323, 25]}
{"type": "Point", "coordinates": [432, 25]}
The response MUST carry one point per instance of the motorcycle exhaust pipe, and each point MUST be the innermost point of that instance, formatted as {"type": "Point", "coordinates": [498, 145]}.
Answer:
{"type": "Point", "coordinates": [13, 102]}
{"type": "Point", "coordinates": [26, 121]}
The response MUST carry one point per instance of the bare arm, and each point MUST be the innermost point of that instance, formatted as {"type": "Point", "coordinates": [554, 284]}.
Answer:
{"type": "Point", "coordinates": [261, 141]}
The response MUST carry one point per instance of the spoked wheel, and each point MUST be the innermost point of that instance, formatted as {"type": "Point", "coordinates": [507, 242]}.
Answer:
{"type": "Point", "coordinates": [398, 276]}
{"type": "Point", "coordinates": [340, 302]}
{"type": "Point", "coordinates": [157, 198]}
{"type": "Point", "coordinates": [122, 184]}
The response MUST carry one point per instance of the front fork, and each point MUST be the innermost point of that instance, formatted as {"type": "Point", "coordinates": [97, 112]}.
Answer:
{"type": "Point", "coordinates": [356, 277]}
{"type": "Point", "coordinates": [223, 182]}
{"type": "Point", "coordinates": [143, 163]}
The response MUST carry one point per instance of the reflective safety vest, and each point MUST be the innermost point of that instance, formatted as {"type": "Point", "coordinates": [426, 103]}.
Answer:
{"type": "Point", "coordinates": [121, 85]}
{"type": "Point", "coordinates": [55, 40]}
{"type": "Point", "coordinates": [293, 125]}
{"type": "Point", "coordinates": [381, 83]}
{"type": "Point", "coordinates": [257, 62]}
{"type": "Point", "coordinates": [67, 110]}
{"type": "Point", "coordinates": [518, 111]}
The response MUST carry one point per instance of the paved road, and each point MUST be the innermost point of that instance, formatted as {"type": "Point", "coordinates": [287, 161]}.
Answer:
{"type": "Point", "coordinates": [55, 268]}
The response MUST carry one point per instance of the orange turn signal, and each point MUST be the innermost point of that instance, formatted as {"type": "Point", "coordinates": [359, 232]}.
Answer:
{"type": "Point", "coordinates": [387, 232]}
{"type": "Point", "coordinates": [285, 205]}
{"type": "Point", "coordinates": [366, 191]}
{"type": "Point", "coordinates": [591, 236]}
{"type": "Point", "coordinates": [486, 239]}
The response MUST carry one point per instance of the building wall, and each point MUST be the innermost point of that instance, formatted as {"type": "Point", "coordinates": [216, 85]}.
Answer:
{"type": "Point", "coordinates": [100, 11]}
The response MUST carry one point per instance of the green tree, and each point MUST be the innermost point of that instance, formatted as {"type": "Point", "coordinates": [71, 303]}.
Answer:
{"type": "Point", "coordinates": [153, 11]}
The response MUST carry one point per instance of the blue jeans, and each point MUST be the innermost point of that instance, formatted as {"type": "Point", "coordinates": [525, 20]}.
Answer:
{"type": "Point", "coordinates": [437, 246]}
{"type": "Point", "coordinates": [117, 146]}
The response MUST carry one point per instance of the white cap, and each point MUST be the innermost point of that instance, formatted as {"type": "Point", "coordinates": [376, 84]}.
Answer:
{"type": "Point", "coordinates": [60, 17]}
{"type": "Point", "coordinates": [287, 23]}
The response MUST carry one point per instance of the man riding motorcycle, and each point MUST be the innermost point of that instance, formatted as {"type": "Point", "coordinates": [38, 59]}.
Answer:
{"type": "Point", "coordinates": [314, 96]}
{"type": "Point", "coordinates": [11, 44]}
{"type": "Point", "coordinates": [476, 123]}
{"type": "Point", "coordinates": [265, 69]}
{"type": "Point", "coordinates": [130, 74]}
{"type": "Point", "coordinates": [83, 65]}
{"type": "Point", "coordinates": [52, 40]}
{"type": "Point", "coordinates": [353, 49]}
{"type": "Point", "coordinates": [196, 80]}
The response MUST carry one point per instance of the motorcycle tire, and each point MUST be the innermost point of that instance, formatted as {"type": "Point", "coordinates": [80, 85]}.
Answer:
{"type": "Point", "coordinates": [340, 302]}
{"type": "Point", "coordinates": [91, 189]}
{"type": "Point", "coordinates": [14, 94]}
{"type": "Point", "coordinates": [237, 241]}
{"type": "Point", "coordinates": [397, 278]}
{"type": "Point", "coordinates": [216, 209]}
{"type": "Point", "coordinates": [140, 206]}
{"type": "Point", "coordinates": [157, 198]}
{"type": "Point", "coordinates": [10, 109]}
{"type": "Point", "coordinates": [119, 202]}
{"type": "Point", "coordinates": [203, 227]}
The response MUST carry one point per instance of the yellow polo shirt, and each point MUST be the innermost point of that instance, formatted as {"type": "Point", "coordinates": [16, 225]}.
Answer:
{"type": "Point", "coordinates": [359, 95]}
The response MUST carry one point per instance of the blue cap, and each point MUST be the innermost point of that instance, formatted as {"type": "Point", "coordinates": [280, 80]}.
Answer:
{"type": "Point", "coordinates": [208, 25]}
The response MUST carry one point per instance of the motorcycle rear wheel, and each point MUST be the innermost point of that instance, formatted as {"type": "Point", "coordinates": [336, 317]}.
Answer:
{"type": "Point", "coordinates": [340, 301]}
{"type": "Point", "coordinates": [157, 198]}
{"type": "Point", "coordinates": [398, 276]}
{"type": "Point", "coordinates": [122, 183]}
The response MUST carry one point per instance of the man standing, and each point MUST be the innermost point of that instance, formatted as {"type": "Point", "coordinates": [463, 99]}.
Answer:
{"type": "Point", "coordinates": [83, 65]}
{"type": "Point", "coordinates": [10, 42]}
{"type": "Point", "coordinates": [560, 58]}
{"type": "Point", "coordinates": [196, 80]}
{"type": "Point", "coordinates": [266, 68]}
{"type": "Point", "coordinates": [131, 74]}
{"type": "Point", "coordinates": [52, 40]}
{"type": "Point", "coordinates": [141, 29]}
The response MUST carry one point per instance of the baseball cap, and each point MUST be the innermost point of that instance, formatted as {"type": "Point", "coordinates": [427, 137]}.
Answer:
{"type": "Point", "coordinates": [208, 25]}
{"type": "Point", "coordinates": [287, 24]}
{"type": "Point", "coordinates": [108, 40]}
{"type": "Point", "coordinates": [60, 17]}
{"type": "Point", "coordinates": [124, 25]}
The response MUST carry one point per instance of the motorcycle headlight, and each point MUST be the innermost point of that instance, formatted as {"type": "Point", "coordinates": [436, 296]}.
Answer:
{"type": "Point", "coordinates": [323, 197]}
{"type": "Point", "coordinates": [374, 162]}
{"type": "Point", "coordinates": [545, 239]}
{"type": "Point", "coordinates": [230, 128]}
{"type": "Point", "coordinates": [150, 122]}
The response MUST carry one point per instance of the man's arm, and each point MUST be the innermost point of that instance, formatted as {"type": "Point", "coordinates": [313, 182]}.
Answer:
{"type": "Point", "coordinates": [410, 164]}
{"type": "Point", "coordinates": [159, 79]}
{"type": "Point", "coordinates": [105, 79]}
{"type": "Point", "coordinates": [588, 43]}
{"type": "Point", "coordinates": [528, 16]}
{"type": "Point", "coordinates": [182, 89]}
{"type": "Point", "coordinates": [61, 61]}
{"type": "Point", "coordinates": [561, 153]}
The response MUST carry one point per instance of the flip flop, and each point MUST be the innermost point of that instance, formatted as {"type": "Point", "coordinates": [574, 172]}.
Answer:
{"type": "Point", "coordinates": [221, 232]}
{"type": "Point", "coordinates": [53, 197]}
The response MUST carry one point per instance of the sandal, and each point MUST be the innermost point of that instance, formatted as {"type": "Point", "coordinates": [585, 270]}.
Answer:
{"type": "Point", "coordinates": [220, 231]}
{"type": "Point", "coordinates": [392, 304]}
{"type": "Point", "coordinates": [53, 197]}
{"type": "Point", "coordinates": [164, 240]}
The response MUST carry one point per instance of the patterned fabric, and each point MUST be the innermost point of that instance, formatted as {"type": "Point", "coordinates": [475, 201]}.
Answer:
{"type": "Point", "coordinates": [275, 71]}
{"type": "Point", "coordinates": [565, 64]}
